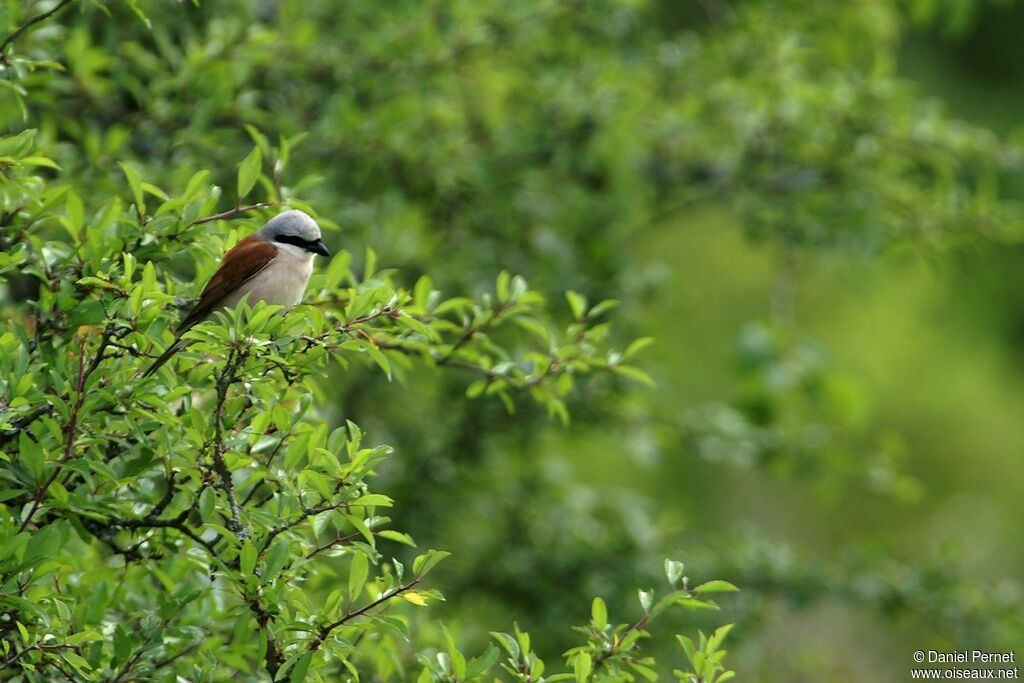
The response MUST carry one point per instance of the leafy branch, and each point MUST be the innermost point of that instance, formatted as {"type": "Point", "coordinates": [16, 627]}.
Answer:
{"type": "Point", "coordinates": [71, 427]}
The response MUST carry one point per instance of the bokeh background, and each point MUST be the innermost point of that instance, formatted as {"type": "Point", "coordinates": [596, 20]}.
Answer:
{"type": "Point", "coordinates": [813, 208]}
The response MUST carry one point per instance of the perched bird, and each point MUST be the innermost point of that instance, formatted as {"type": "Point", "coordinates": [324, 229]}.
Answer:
{"type": "Point", "coordinates": [273, 264]}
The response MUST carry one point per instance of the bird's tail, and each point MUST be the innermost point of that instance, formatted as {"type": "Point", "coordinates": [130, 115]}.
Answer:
{"type": "Point", "coordinates": [164, 357]}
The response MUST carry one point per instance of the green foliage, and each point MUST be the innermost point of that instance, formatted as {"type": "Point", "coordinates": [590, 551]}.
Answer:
{"type": "Point", "coordinates": [705, 658]}
{"type": "Point", "coordinates": [610, 653]}
{"type": "Point", "coordinates": [214, 519]}
{"type": "Point", "coordinates": [216, 476]}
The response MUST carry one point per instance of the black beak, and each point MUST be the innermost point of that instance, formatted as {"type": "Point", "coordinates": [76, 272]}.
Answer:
{"type": "Point", "coordinates": [319, 247]}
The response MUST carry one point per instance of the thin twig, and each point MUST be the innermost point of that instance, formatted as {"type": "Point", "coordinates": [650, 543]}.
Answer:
{"type": "Point", "coordinates": [29, 23]}
{"type": "Point", "coordinates": [20, 423]}
{"type": "Point", "coordinates": [638, 626]}
{"type": "Point", "coordinates": [349, 616]}
{"type": "Point", "coordinates": [224, 382]}
{"type": "Point", "coordinates": [130, 664]}
{"type": "Point", "coordinates": [306, 514]}
{"type": "Point", "coordinates": [472, 330]}
{"type": "Point", "coordinates": [38, 646]}
{"type": "Point", "coordinates": [178, 524]}
{"type": "Point", "coordinates": [233, 213]}
{"type": "Point", "coordinates": [161, 663]}
{"type": "Point", "coordinates": [336, 542]}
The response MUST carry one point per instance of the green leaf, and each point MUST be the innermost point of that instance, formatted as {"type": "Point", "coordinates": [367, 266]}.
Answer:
{"type": "Point", "coordinates": [357, 574]}
{"type": "Point", "coordinates": [277, 557]}
{"type": "Point", "coordinates": [688, 648]}
{"type": "Point", "coordinates": [599, 614]}
{"type": "Point", "coordinates": [636, 346]}
{"type": "Point", "coordinates": [135, 183]}
{"type": "Point", "coordinates": [149, 277]}
{"type": "Point", "coordinates": [715, 641]}
{"type": "Point", "coordinates": [122, 645]}
{"type": "Point", "coordinates": [207, 502]}
{"type": "Point", "coordinates": [249, 172]}
{"type": "Point", "coordinates": [32, 455]}
{"type": "Point", "coordinates": [501, 286]}
{"type": "Point", "coordinates": [479, 665]}
{"type": "Point", "coordinates": [84, 637]}
{"type": "Point", "coordinates": [379, 358]}
{"type": "Point", "coordinates": [76, 661]}
{"type": "Point", "coordinates": [373, 499]}
{"type": "Point", "coordinates": [578, 304]}
{"type": "Point", "coordinates": [674, 571]}
{"type": "Point", "coordinates": [195, 184]}
{"type": "Point", "coordinates": [134, 5]}
{"type": "Point", "coordinates": [397, 536]}
{"type": "Point", "coordinates": [425, 562]}
{"type": "Point", "coordinates": [633, 373]}
{"type": "Point", "coordinates": [646, 598]}
{"type": "Point", "coordinates": [581, 666]}
{"type": "Point", "coordinates": [17, 145]}
{"type": "Point", "coordinates": [508, 643]}
{"type": "Point", "coordinates": [12, 544]}
{"type": "Point", "coordinates": [75, 213]}
{"type": "Point", "coordinates": [362, 529]}
{"type": "Point", "coordinates": [716, 586]}
{"type": "Point", "coordinates": [370, 266]}
{"type": "Point", "coordinates": [247, 558]}
{"type": "Point", "coordinates": [298, 673]}
{"type": "Point", "coordinates": [39, 161]}
{"type": "Point", "coordinates": [648, 674]}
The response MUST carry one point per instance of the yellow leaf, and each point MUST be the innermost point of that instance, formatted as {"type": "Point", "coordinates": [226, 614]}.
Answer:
{"type": "Point", "coordinates": [415, 598]}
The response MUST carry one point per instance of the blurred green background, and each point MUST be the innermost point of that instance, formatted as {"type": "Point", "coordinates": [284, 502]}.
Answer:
{"type": "Point", "coordinates": [813, 210]}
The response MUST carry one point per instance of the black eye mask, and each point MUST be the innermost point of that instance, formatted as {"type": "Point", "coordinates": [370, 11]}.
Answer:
{"type": "Point", "coordinates": [315, 246]}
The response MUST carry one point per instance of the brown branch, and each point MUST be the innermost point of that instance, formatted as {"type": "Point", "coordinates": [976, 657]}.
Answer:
{"type": "Point", "coordinates": [306, 514]}
{"type": "Point", "coordinates": [332, 544]}
{"type": "Point", "coordinates": [38, 646]}
{"type": "Point", "coordinates": [178, 524]}
{"type": "Point", "coordinates": [232, 213]}
{"type": "Point", "coordinates": [27, 24]}
{"type": "Point", "coordinates": [20, 423]}
{"type": "Point", "coordinates": [168, 496]}
{"type": "Point", "coordinates": [130, 664]}
{"type": "Point", "coordinates": [472, 330]}
{"type": "Point", "coordinates": [349, 616]}
{"type": "Point", "coordinates": [489, 373]}
{"type": "Point", "coordinates": [224, 382]}
{"type": "Point", "coordinates": [166, 661]}
{"type": "Point", "coordinates": [263, 618]}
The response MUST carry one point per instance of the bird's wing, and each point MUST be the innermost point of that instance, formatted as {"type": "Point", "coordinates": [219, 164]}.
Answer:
{"type": "Point", "coordinates": [242, 263]}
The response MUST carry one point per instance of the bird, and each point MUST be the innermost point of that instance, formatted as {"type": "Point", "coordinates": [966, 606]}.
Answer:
{"type": "Point", "coordinates": [273, 265]}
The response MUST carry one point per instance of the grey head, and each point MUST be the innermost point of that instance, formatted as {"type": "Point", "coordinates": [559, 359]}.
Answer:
{"type": "Point", "coordinates": [295, 231]}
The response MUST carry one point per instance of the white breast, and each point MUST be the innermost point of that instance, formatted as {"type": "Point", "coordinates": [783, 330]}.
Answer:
{"type": "Point", "coordinates": [283, 282]}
